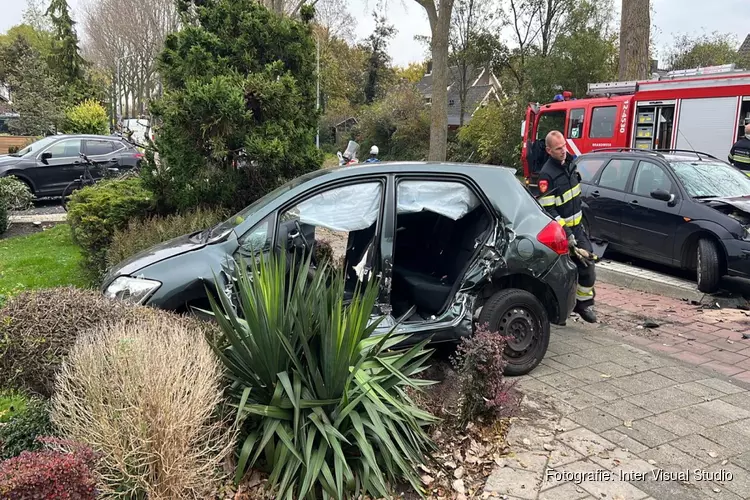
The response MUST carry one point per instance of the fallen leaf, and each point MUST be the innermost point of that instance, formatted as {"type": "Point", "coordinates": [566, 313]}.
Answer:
{"type": "Point", "coordinates": [458, 486]}
{"type": "Point", "coordinates": [459, 473]}
{"type": "Point", "coordinates": [526, 441]}
{"type": "Point", "coordinates": [628, 423]}
{"type": "Point", "coordinates": [652, 462]}
{"type": "Point", "coordinates": [451, 465]}
{"type": "Point", "coordinates": [427, 479]}
{"type": "Point", "coordinates": [724, 462]}
{"type": "Point", "coordinates": [716, 490]}
{"type": "Point", "coordinates": [605, 375]}
{"type": "Point", "coordinates": [713, 454]}
{"type": "Point", "coordinates": [548, 447]}
{"type": "Point", "coordinates": [730, 341]}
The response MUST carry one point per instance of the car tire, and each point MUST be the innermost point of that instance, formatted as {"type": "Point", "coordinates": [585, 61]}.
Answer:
{"type": "Point", "coordinates": [708, 266]}
{"type": "Point", "coordinates": [518, 314]}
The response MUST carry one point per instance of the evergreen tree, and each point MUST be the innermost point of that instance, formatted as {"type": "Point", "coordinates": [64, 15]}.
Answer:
{"type": "Point", "coordinates": [377, 68]}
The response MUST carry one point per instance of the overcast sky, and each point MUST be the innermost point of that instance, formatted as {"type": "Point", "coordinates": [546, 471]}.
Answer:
{"type": "Point", "coordinates": [671, 17]}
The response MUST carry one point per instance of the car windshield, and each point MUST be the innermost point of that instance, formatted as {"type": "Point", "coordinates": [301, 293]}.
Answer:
{"type": "Point", "coordinates": [243, 214]}
{"type": "Point", "coordinates": [703, 179]}
{"type": "Point", "coordinates": [36, 146]}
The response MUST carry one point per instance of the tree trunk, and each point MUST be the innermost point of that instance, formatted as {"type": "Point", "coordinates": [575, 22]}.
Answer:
{"type": "Point", "coordinates": [635, 31]}
{"type": "Point", "coordinates": [439, 112]}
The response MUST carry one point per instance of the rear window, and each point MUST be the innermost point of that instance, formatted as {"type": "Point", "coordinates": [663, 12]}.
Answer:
{"type": "Point", "coordinates": [588, 168]}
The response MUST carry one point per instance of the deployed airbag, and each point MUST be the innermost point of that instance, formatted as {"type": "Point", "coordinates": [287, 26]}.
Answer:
{"type": "Point", "coordinates": [450, 199]}
{"type": "Point", "coordinates": [348, 208]}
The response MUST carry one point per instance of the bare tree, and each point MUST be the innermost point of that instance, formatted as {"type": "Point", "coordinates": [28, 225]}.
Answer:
{"type": "Point", "coordinates": [439, 13]}
{"type": "Point", "coordinates": [635, 25]}
{"type": "Point", "coordinates": [335, 18]}
{"type": "Point", "coordinates": [127, 46]}
{"type": "Point", "coordinates": [34, 16]}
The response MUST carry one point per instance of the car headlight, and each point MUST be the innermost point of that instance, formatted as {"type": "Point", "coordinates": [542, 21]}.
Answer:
{"type": "Point", "coordinates": [135, 290]}
{"type": "Point", "coordinates": [746, 233]}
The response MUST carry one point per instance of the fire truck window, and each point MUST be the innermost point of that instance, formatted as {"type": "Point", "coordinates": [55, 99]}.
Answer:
{"type": "Point", "coordinates": [615, 174]}
{"type": "Point", "coordinates": [575, 127]}
{"type": "Point", "coordinates": [603, 122]}
{"type": "Point", "coordinates": [553, 120]}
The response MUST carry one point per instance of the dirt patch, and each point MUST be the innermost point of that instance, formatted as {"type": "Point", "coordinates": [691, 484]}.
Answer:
{"type": "Point", "coordinates": [23, 229]}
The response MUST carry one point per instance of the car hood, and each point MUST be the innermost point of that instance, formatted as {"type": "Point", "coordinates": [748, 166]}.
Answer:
{"type": "Point", "coordinates": [737, 207]}
{"type": "Point", "coordinates": [157, 253]}
{"type": "Point", "coordinates": [6, 160]}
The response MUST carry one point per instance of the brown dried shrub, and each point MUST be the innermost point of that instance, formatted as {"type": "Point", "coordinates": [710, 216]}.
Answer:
{"type": "Point", "coordinates": [37, 328]}
{"type": "Point", "coordinates": [146, 395]}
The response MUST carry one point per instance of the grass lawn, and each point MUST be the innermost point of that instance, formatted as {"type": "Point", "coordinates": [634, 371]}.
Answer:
{"type": "Point", "coordinates": [40, 260]}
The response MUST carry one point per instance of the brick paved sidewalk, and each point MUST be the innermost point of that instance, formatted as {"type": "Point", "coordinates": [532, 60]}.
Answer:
{"type": "Point", "coordinates": [615, 405]}
{"type": "Point", "coordinates": [711, 338]}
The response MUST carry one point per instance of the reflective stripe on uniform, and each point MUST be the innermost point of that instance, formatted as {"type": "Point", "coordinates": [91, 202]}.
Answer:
{"type": "Point", "coordinates": [584, 292]}
{"type": "Point", "coordinates": [740, 158]}
{"type": "Point", "coordinates": [573, 220]}
{"type": "Point", "coordinates": [547, 201]}
{"type": "Point", "coordinates": [568, 195]}
{"type": "Point", "coordinates": [560, 220]}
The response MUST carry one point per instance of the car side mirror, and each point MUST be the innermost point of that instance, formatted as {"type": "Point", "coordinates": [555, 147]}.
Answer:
{"type": "Point", "coordinates": [46, 156]}
{"type": "Point", "coordinates": [662, 195]}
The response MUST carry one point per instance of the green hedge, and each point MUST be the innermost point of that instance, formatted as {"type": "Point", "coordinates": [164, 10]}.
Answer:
{"type": "Point", "coordinates": [96, 212]}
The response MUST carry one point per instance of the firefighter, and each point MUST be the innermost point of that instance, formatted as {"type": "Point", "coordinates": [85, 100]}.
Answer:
{"type": "Point", "coordinates": [561, 197]}
{"type": "Point", "coordinates": [739, 155]}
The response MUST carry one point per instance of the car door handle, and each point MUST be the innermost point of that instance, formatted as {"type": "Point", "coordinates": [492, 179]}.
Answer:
{"type": "Point", "coordinates": [595, 194]}
{"type": "Point", "coordinates": [634, 202]}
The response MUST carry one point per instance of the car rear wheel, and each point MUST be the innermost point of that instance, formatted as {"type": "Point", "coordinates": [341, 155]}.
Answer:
{"type": "Point", "coordinates": [708, 266]}
{"type": "Point", "coordinates": [519, 315]}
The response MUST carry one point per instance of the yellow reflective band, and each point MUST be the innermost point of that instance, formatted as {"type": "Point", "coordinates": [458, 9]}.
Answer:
{"type": "Point", "coordinates": [547, 201]}
{"type": "Point", "coordinates": [568, 195]}
{"type": "Point", "coordinates": [741, 159]}
{"type": "Point", "coordinates": [560, 220]}
{"type": "Point", "coordinates": [574, 219]}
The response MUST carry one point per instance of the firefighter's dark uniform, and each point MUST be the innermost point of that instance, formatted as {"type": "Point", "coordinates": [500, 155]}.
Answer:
{"type": "Point", "coordinates": [739, 155]}
{"type": "Point", "coordinates": [561, 197]}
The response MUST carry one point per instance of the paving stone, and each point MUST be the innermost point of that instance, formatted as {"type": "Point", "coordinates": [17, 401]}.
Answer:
{"type": "Point", "coordinates": [562, 407]}
{"type": "Point", "coordinates": [741, 400]}
{"type": "Point", "coordinates": [713, 413]}
{"type": "Point", "coordinates": [738, 483]}
{"type": "Point", "coordinates": [727, 436]}
{"type": "Point", "coordinates": [678, 373]}
{"type": "Point", "coordinates": [537, 437]}
{"type": "Point", "coordinates": [530, 385]}
{"type": "Point", "coordinates": [612, 369]}
{"type": "Point", "coordinates": [573, 360]}
{"type": "Point", "coordinates": [667, 490]}
{"type": "Point", "coordinates": [709, 490]}
{"type": "Point", "coordinates": [606, 391]}
{"type": "Point", "coordinates": [701, 448]}
{"type": "Point", "coordinates": [562, 381]}
{"type": "Point", "coordinates": [647, 433]}
{"type": "Point", "coordinates": [566, 491]}
{"type": "Point", "coordinates": [643, 382]}
{"type": "Point", "coordinates": [542, 370]}
{"type": "Point", "coordinates": [585, 442]}
{"type": "Point", "coordinates": [740, 427]}
{"type": "Point", "coordinates": [586, 374]}
{"type": "Point", "coordinates": [561, 347]}
{"type": "Point", "coordinates": [722, 368]}
{"type": "Point", "coordinates": [582, 343]}
{"type": "Point", "coordinates": [742, 460]}
{"type": "Point", "coordinates": [553, 477]}
{"type": "Point", "coordinates": [675, 424]}
{"type": "Point", "coordinates": [667, 456]}
{"type": "Point", "coordinates": [701, 390]}
{"type": "Point", "coordinates": [595, 419]}
{"type": "Point", "coordinates": [525, 460]}
{"type": "Point", "coordinates": [579, 398]}
{"type": "Point", "coordinates": [566, 424]}
{"type": "Point", "coordinates": [623, 441]}
{"type": "Point", "coordinates": [666, 399]}
{"type": "Point", "coordinates": [622, 461]}
{"type": "Point", "coordinates": [626, 411]}
{"type": "Point", "coordinates": [562, 455]}
{"type": "Point", "coordinates": [518, 483]}
{"type": "Point", "coordinates": [552, 362]}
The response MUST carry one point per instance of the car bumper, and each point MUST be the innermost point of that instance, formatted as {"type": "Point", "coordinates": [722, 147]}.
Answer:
{"type": "Point", "coordinates": [562, 279]}
{"type": "Point", "coordinates": [738, 257]}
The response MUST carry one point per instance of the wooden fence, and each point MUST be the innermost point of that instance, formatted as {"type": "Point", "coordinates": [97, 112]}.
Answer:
{"type": "Point", "coordinates": [14, 140]}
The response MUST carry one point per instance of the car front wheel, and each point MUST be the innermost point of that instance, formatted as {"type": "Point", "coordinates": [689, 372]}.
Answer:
{"type": "Point", "coordinates": [708, 266]}
{"type": "Point", "coordinates": [519, 315]}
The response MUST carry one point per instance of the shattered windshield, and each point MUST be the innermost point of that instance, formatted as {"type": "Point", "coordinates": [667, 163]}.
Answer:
{"type": "Point", "coordinates": [711, 179]}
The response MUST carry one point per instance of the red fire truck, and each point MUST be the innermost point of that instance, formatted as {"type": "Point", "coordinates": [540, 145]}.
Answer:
{"type": "Point", "coordinates": [703, 109]}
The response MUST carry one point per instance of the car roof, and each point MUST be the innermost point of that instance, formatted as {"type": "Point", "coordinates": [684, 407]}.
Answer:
{"type": "Point", "coordinates": [420, 167]}
{"type": "Point", "coordinates": [85, 136]}
{"type": "Point", "coordinates": [666, 155]}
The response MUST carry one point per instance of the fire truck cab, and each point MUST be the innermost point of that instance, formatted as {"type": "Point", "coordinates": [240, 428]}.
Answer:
{"type": "Point", "coordinates": [702, 109]}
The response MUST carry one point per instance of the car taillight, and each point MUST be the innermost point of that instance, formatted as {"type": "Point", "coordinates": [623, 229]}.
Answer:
{"type": "Point", "coordinates": [553, 236]}
{"type": "Point", "coordinates": [139, 155]}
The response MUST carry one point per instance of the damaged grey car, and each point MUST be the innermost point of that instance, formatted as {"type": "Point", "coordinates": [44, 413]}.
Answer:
{"type": "Point", "coordinates": [453, 245]}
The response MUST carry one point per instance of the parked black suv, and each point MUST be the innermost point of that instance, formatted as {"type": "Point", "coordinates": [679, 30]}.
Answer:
{"type": "Point", "coordinates": [453, 245]}
{"type": "Point", "coordinates": [51, 163]}
{"type": "Point", "coordinates": [685, 209]}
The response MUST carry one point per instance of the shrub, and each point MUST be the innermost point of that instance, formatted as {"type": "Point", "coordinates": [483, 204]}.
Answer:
{"type": "Point", "coordinates": [88, 117]}
{"type": "Point", "coordinates": [55, 474]}
{"type": "Point", "coordinates": [38, 328]}
{"type": "Point", "coordinates": [13, 149]}
{"type": "Point", "coordinates": [141, 234]}
{"type": "Point", "coordinates": [4, 218]}
{"type": "Point", "coordinates": [96, 212]}
{"type": "Point", "coordinates": [15, 194]}
{"type": "Point", "coordinates": [20, 432]}
{"type": "Point", "coordinates": [479, 362]}
{"type": "Point", "coordinates": [145, 394]}
{"type": "Point", "coordinates": [321, 400]}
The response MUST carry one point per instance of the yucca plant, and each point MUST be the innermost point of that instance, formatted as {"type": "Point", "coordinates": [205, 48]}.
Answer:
{"type": "Point", "coordinates": [322, 399]}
